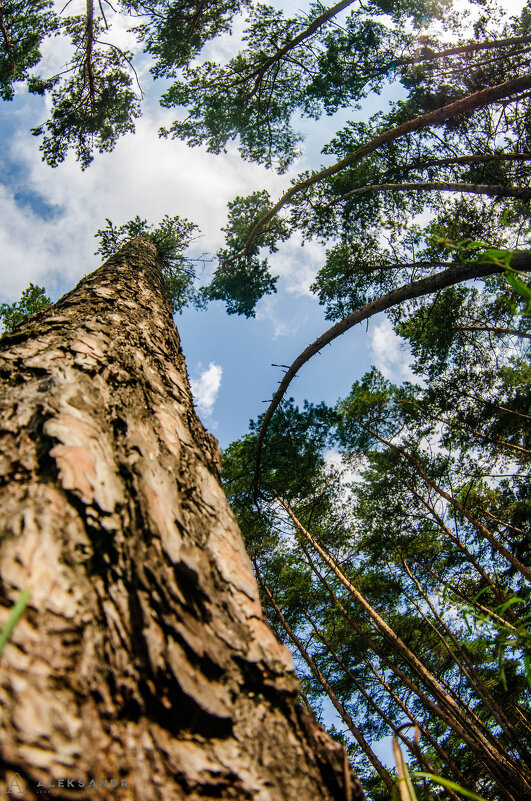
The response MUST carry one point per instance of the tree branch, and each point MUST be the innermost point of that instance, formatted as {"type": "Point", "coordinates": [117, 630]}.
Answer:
{"type": "Point", "coordinates": [492, 190]}
{"type": "Point", "coordinates": [514, 332]}
{"type": "Point", "coordinates": [5, 33]}
{"type": "Point", "coordinates": [426, 54]}
{"type": "Point", "coordinates": [453, 275]}
{"type": "Point", "coordinates": [463, 106]}
{"type": "Point", "coordinates": [479, 158]}
{"type": "Point", "coordinates": [89, 33]}
{"type": "Point", "coordinates": [309, 31]}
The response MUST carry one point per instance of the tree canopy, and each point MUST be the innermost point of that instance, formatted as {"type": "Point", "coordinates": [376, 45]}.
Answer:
{"type": "Point", "coordinates": [401, 576]}
{"type": "Point", "coordinates": [399, 571]}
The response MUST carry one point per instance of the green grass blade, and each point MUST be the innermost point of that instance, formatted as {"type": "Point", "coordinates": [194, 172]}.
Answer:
{"type": "Point", "coordinates": [527, 666]}
{"type": "Point", "coordinates": [450, 785]}
{"type": "Point", "coordinates": [13, 618]}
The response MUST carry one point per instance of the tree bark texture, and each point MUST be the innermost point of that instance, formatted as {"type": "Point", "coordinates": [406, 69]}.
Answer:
{"type": "Point", "coordinates": [143, 659]}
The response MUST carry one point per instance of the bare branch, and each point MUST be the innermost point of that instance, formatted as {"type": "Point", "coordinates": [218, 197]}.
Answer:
{"type": "Point", "coordinates": [495, 330]}
{"type": "Point", "coordinates": [492, 190]}
{"type": "Point", "coordinates": [87, 63]}
{"type": "Point", "coordinates": [65, 6]}
{"type": "Point", "coordinates": [103, 15]}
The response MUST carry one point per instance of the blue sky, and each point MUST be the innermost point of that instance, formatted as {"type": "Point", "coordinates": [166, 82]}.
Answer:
{"type": "Point", "coordinates": [48, 218]}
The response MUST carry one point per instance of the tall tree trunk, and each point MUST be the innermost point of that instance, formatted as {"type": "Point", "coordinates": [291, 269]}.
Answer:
{"type": "Point", "coordinates": [143, 659]}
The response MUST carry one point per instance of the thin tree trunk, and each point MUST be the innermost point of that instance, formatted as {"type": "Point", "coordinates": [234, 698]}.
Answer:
{"type": "Point", "coordinates": [512, 781]}
{"type": "Point", "coordinates": [462, 662]}
{"type": "Point", "coordinates": [397, 672]}
{"type": "Point", "coordinates": [340, 709]}
{"type": "Point", "coordinates": [143, 657]}
{"type": "Point", "coordinates": [412, 746]}
{"type": "Point", "coordinates": [478, 525]}
{"type": "Point", "coordinates": [500, 596]}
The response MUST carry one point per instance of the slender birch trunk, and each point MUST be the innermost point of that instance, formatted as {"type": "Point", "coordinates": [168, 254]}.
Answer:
{"type": "Point", "coordinates": [142, 667]}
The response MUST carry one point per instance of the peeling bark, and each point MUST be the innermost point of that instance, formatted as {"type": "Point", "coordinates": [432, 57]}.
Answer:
{"type": "Point", "coordinates": [143, 656]}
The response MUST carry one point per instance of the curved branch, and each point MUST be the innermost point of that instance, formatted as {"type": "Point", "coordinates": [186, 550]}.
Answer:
{"type": "Point", "coordinates": [463, 106]}
{"type": "Point", "coordinates": [521, 260]}
{"type": "Point", "coordinates": [126, 57]}
{"type": "Point", "coordinates": [492, 190]}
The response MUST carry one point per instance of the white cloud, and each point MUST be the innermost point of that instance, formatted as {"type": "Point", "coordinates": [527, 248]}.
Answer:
{"type": "Point", "coordinates": [297, 264]}
{"type": "Point", "coordinates": [351, 469]}
{"type": "Point", "coordinates": [205, 387]}
{"type": "Point", "coordinates": [272, 310]}
{"type": "Point", "coordinates": [390, 354]}
{"type": "Point", "coordinates": [144, 175]}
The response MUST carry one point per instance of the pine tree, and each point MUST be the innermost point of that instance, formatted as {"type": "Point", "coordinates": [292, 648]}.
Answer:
{"type": "Point", "coordinates": [142, 665]}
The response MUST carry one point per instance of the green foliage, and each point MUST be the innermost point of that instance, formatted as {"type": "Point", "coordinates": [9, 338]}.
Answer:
{"type": "Point", "coordinates": [175, 31]}
{"type": "Point", "coordinates": [342, 283]}
{"type": "Point", "coordinates": [241, 285]}
{"type": "Point", "coordinates": [293, 459]}
{"type": "Point", "coordinates": [248, 98]}
{"type": "Point", "coordinates": [416, 558]}
{"type": "Point", "coordinates": [509, 641]}
{"type": "Point", "coordinates": [430, 329]}
{"type": "Point", "coordinates": [94, 106]}
{"type": "Point", "coordinates": [241, 282]}
{"type": "Point", "coordinates": [172, 237]}
{"type": "Point", "coordinates": [257, 94]}
{"type": "Point", "coordinates": [497, 256]}
{"type": "Point", "coordinates": [33, 299]}
{"type": "Point", "coordinates": [25, 23]}
{"type": "Point", "coordinates": [372, 400]}
{"type": "Point", "coordinates": [243, 213]}
{"type": "Point", "coordinates": [520, 287]}
{"type": "Point", "coordinates": [288, 66]}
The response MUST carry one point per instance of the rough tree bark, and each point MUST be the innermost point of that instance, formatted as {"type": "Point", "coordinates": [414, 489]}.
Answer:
{"type": "Point", "coordinates": [143, 659]}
